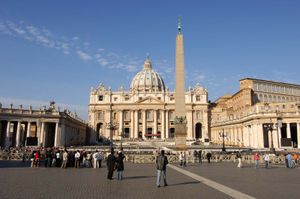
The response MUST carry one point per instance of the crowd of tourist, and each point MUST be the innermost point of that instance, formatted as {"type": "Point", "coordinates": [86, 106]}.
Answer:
{"type": "Point", "coordinates": [62, 158]}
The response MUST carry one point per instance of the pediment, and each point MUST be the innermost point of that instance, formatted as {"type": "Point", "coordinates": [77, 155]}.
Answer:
{"type": "Point", "coordinates": [149, 100]}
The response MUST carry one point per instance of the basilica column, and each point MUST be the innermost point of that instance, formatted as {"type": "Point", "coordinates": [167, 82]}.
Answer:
{"type": "Point", "coordinates": [18, 136]}
{"type": "Point", "coordinates": [7, 141]}
{"type": "Point", "coordinates": [155, 121]}
{"type": "Point", "coordinates": [190, 125]}
{"type": "Point", "coordinates": [121, 125]}
{"type": "Point", "coordinates": [144, 124]}
{"type": "Point", "coordinates": [163, 124]}
{"type": "Point", "coordinates": [167, 124]}
{"type": "Point", "coordinates": [136, 124]}
{"type": "Point", "coordinates": [131, 132]}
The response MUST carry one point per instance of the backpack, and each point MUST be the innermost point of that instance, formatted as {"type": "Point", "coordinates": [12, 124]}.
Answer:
{"type": "Point", "coordinates": [160, 162]}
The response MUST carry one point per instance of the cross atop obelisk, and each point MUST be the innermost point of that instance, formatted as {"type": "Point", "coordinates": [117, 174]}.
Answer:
{"type": "Point", "coordinates": [180, 113]}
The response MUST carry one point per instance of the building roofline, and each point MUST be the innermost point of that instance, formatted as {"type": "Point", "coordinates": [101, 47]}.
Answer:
{"type": "Point", "coordinates": [269, 81]}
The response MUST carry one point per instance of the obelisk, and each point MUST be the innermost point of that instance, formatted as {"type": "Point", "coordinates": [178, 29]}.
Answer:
{"type": "Point", "coordinates": [180, 112]}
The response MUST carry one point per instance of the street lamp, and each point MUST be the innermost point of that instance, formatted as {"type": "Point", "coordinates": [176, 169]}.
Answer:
{"type": "Point", "coordinates": [112, 126]}
{"type": "Point", "coordinates": [223, 135]}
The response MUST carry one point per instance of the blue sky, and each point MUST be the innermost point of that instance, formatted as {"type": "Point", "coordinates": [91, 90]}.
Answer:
{"type": "Point", "coordinates": [58, 50]}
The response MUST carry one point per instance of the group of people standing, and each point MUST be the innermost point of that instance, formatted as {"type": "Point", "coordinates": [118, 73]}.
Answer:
{"type": "Point", "coordinates": [115, 162]}
{"type": "Point", "coordinates": [63, 158]}
{"type": "Point", "coordinates": [291, 160]}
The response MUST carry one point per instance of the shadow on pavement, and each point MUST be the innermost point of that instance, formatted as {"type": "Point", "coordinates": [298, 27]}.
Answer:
{"type": "Point", "coordinates": [13, 164]}
{"type": "Point", "coordinates": [138, 177]}
{"type": "Point", "coordinates": [185, 183]}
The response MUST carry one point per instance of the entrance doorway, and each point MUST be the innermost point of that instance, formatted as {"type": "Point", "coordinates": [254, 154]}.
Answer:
{"type": "Point", "coordinates": [198, 130]}
{"type": "Point", "coordinates": [171, 132]}
{"type": "Point", "coordinates": [293, 127]}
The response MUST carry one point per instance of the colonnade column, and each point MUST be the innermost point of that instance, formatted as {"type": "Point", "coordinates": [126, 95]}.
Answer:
{"type": "Point", "coordinates": [57, 136]}
{"type": "Point", "coordinates": [144, 124]}
{"type": "Point", "coordinates": [43, 136]}
{"type": "Point", "coordinates": [288, 130]}
{"type": "Point", "coordinates": [298, 134]}
{"type": "Point", "coordinates": [7, 141]}
{"type": "Point", "coordinates": [131, 133]}
{"type": "Point", "coordinates": [167, 124]}
{"type": "Point", "coordinates": [28, 132]}
{"type": "Point", "coordinates": [136, 123]}
{"type": "Point", "coordinates": [18, 134]}
{"type": "Point", "coordinates": [163, 124]}
{"type": "Point", "coordinates": [279, 136]}
{"type": "Point", "coordinates": [155, 122]}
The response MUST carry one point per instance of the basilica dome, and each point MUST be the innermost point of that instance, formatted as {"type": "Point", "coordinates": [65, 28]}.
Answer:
{"type": "Point", "coordinates": [147, 80]}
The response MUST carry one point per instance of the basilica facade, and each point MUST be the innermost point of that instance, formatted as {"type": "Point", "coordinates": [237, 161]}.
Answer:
{"type": "Point", "coordinates": [146, 111]}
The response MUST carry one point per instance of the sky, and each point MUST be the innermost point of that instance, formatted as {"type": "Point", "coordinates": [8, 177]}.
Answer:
{"type": "Point", "coordinates": [57, 50]}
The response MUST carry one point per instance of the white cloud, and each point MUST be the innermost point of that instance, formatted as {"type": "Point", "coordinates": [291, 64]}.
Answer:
{"type": "Point", "coordinates": [83, 55]}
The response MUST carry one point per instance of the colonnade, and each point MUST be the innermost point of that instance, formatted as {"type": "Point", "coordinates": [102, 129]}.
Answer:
{"type": "Point", "coordinates": [252, 135]}
{"type": "Point", "coordinates": [21, 134]}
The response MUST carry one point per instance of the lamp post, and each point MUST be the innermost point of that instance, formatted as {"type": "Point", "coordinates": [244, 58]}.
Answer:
{"type": "Point", "coordinates": [112, 126]}
{"type": "Point", "coordinates": [223, 135]}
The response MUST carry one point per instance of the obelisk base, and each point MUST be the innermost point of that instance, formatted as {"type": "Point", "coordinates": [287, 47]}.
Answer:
{"type": "Point", "coordinates": [180, 137]}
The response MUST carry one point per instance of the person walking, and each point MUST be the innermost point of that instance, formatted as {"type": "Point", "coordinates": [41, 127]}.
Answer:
{"type": "Point", "coordinates": [200, 156]}
{"type": "Point", "coordinates": [161, 166]}
{"type": "Point", "coordinates": [256, 159]}
{"type": "Point", "coordinates": [239, 158]}
{"type": "Point", "coordinates": [120, 165]}
{"type": "Point", "coordinates": [289, 160]}
{"type": "Point", "coordinates": [77, 159]}
{"type": "Point", "coordinates": [267, 160]}
{"type": "Point", "coordinates": [111, 163]}
{"type": "Point", "coordinates": [208, 156]}
{"type": "Point", "coordinates": [65, 160]}
{"type": "Point", "coordinates": [95, 157]}
{"type": "Point", "coordinates": [184, 158]}
{"type": "Point", "coordinates": [181, 159]}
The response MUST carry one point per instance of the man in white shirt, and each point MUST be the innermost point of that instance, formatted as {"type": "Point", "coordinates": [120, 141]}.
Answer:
{"type": "Point", "coordinates": [77, 160]}
{"type": "Point", "coordinates": [267, 159]}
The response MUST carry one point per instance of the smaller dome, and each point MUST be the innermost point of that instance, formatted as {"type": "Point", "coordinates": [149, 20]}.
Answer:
{"type": "Point", "coordinates": [147, 80]}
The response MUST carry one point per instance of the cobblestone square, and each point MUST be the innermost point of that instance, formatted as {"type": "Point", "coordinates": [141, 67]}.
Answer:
{"type": "Point", "coordinates": [20, 181]}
